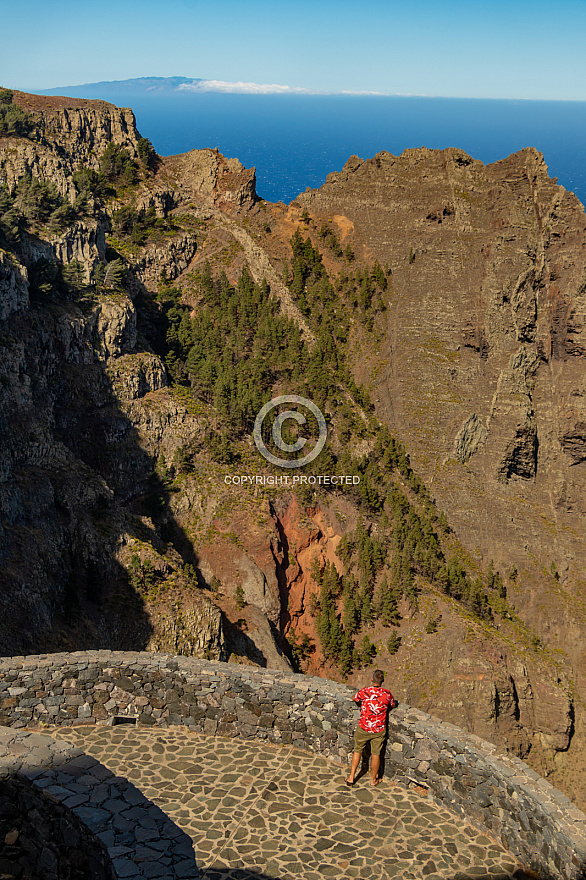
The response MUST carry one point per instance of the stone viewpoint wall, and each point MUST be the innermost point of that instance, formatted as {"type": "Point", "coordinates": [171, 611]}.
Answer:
{"type": "Point", "coordinates": [42, 838]}
{"type": "Point", "coordinates": [472, 777]}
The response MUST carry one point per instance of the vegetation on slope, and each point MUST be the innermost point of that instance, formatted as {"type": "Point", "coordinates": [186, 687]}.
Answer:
{"type": "Point", "coordinates": [233, 350]}
{"type": "Point", "coordinates": [13, 119]}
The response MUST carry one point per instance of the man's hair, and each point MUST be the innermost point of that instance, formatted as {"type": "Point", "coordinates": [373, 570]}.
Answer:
{"type": "Point", "coordinates": [378, 677]}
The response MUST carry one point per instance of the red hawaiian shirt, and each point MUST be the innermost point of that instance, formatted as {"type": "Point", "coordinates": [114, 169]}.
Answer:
{"type": "Point", "coordinates": [373, 712]}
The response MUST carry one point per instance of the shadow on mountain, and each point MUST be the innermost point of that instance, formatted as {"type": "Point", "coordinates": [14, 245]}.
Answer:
{"type": "Point", "coordinates": [241, 645]}
{"type": "Point", "coordinates": [80, 494]}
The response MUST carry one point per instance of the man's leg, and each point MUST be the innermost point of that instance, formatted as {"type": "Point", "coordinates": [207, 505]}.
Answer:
{"type": "Point", "coordinates": [376, 745]}
{"type": "Point", "coordinates": [354, 766]}
{"type": "Point", "coordinates": [374, 768]}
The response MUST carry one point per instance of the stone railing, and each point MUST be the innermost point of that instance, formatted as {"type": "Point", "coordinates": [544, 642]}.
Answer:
{"type": "Point", "coordinates": [472, 777]}
{"type": "Point", "coordinates": [63, 814]}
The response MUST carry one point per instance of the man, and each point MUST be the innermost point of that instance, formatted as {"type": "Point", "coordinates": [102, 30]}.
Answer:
{"type": "Point", "coordinates": [376, 701]}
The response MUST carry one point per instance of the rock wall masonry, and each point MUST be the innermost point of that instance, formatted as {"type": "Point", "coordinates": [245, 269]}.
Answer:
{"type": "Point", "coordinates": [475, 779]}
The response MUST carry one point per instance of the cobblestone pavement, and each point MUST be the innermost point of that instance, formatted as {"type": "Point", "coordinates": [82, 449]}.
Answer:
{"type": "Point", "coordinates": [256, 811]}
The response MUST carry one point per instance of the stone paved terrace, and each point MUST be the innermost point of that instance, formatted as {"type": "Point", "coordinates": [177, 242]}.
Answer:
{"type": "Point", "coordinates": [473, 779]}
{"type": "Point", "coordinates": [256, 810]}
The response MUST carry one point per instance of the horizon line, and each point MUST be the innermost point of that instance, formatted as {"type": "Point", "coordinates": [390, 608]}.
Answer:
{"type": "Point", "coordinates": [196, 86]}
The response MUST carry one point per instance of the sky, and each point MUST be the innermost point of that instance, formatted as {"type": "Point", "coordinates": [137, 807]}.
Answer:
{"type": "Point", "coordinates": [533, 49]}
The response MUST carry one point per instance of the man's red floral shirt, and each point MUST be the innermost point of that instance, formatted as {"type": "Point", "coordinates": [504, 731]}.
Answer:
{"type": "Point", "coordinates": [373, 712]}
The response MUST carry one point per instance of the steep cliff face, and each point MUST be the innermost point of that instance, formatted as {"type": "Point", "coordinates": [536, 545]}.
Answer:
{"type": "Point", "coordinates": [92, 552]}
{"type": "Point", "coordinates": [456, 669]}
{"type": "Point", "coordinates": [205, 177]}
{"type": "Point", "coordinates": [83, 412]}
{"type": "Point", "coordinates": [482, 352]}
{"type": "Point", "coordinates": [13, 287]}
{"type": "Point", "coordinates": [481, 362]}
{"type": "Point", "coordinates": [76, 402]}
{"type": "Point", "coordinates": [68, 134]}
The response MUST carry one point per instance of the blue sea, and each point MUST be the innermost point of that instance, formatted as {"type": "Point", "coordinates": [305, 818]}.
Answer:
{"type": "Point", "coordinates": [294, 141]}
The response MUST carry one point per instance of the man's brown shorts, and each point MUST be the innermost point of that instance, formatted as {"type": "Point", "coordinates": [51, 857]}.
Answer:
{"type": "Point", "coordinates": [376, 740]}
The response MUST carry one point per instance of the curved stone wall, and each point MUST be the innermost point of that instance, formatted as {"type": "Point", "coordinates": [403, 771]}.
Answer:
{"type": "Point", "coordinates": [39, 836]}
{"type": "Point", "coordinates": [65, 815]}
{"type": "Point", "coordinates": [474, 778]}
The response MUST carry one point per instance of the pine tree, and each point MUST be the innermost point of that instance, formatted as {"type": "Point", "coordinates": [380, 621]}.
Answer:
{"type": "Point", "coordinates": [390, 608]}
{"type": "Point", "coordinates": [393, 643]}
{"type": "Point", "coordinates": [135, 572]}
{"type": "Point", "coordinates": [184, 333]}
{"type": "Point", "coordinates": [335, 635]}
{"type": "Point", "coordinates": [366, 611]}
{"type": "Point", "coordinates": [368, 651]}
{"type": "Point", "coordinates": [350, 616]}
{"type": "Point", "coordinates": [148, 573]}
{"type": "Point", "coordinates": [346, 653]}
{"type": "Point", "coordinates": [147, 154]}
{"type": "Point", "coordinates": [378, 276]}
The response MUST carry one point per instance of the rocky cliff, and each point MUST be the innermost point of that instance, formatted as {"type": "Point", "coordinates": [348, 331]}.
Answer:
{"type": "Point", "coordinates": [481, 364]}
{"type": "Point", "coordinates": [118, 528]}
{"type": "Point", "coordinates": [75, 399]}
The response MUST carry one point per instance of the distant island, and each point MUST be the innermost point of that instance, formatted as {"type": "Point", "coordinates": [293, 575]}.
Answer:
{"type": "Point", "coordinates": [183, 84]}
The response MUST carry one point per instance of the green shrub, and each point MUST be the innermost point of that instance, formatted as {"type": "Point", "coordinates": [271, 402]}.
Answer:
{"type": "Point", "coordinates": [137, 226]}
{"type": "Point", "coordinates": [14, 121]}
{"type": "Point", "coordinates": [113, 275]}
{"type": "Point", "coordinates": [301, 648]}
{"type": "Point", "coordinates": [393, 643]}
{"type": "Point", "coordinates": [50, 279]}
{"type": "Point", "coordinates": [11, 221]}
{"type": "Point", "coordinates": [368, 651]}
{"type": "Point", "coordinates": [118, 166]}
{"type": "Point", "coordinates": [147, 155]}
{"type": "Point", "coordinates": [34, 202]}
{"type": "Point", "coordinates": [90, 183]}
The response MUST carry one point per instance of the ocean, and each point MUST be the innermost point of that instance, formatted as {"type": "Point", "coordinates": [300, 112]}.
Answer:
{"type": "Point", "coordinates": [294, 141]}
